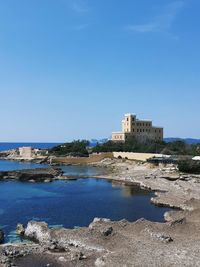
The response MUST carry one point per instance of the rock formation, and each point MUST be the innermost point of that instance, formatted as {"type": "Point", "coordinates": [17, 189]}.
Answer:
{"type": "Point", "coordinates": [37, 175]}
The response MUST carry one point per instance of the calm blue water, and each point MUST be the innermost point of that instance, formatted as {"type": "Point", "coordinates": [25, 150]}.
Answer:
{"type": "Point", "coordinates": [85, 171]}
{"type": "Point", "coordinates": [9, 165]}
{"type": "Point", "coordinates": [72, 203]}
{"type": "Point", "coordinates": [7, 146]}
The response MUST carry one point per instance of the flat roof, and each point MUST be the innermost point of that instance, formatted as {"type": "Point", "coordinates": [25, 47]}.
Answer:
{"type": "Point", "coordinates": [117, 132]}
{"type": "Point", "coordinates": [130, 114]}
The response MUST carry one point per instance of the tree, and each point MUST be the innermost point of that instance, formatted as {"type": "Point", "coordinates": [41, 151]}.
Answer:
{"type": "Point", "coordinates": [75, 148]}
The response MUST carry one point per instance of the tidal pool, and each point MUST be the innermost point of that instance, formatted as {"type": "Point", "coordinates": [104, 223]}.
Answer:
{"type": "Point", "coordinates": [73, 203]}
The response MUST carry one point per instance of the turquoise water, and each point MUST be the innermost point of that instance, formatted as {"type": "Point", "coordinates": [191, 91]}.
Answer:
{"type": "Point", "coordinates": [72, 203]}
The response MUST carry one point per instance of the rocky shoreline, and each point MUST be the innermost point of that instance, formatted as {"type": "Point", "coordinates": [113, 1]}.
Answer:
{"type": "Point", "coordinates": [105, 243]}
{"type": "Point", "coordinates": [32, 175]}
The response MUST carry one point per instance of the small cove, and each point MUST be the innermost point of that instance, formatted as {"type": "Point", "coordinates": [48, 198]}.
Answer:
{"type": "Point", "coordinates": [73, 203]}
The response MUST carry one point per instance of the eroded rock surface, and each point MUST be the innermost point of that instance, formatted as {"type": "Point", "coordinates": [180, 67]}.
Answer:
{"type": "Point", "coordinates": [142, 243]}
{"type": "Point", "coordinates": [20, 229]}
{"type": "Point", "coordinates": [31, 174]}
{"type": "Point", "coordinates": [38, 231]}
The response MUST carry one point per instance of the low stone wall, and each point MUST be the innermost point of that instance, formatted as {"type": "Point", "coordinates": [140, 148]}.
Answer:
{"type": "Point", "coordinates": [82, 160]}
{"type": "Point", "coordinates": [98, 157]}
{"type": "Point", "coordinates": [135, 156]}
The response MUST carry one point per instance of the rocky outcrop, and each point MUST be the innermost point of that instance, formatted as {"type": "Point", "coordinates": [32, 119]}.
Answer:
{"type": "Point", "coordinates": [46, 174]}
{"type": "Point", "coordinates": [20, 230]}
{"type": "Point", "coordinates": [108, 243]}
{"type": "Point", "coordinates": [38, 231]}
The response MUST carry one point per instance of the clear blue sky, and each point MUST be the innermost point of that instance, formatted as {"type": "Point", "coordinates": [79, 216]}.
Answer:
{"type": "Point", "coordinates": [71, 68]}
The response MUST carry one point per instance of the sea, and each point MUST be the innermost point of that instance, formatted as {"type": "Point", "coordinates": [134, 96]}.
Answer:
{"type": "Point", "coordinates": [8, 146]}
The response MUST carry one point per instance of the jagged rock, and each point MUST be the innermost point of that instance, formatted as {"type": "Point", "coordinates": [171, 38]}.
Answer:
{"type": "Point", "coordinates": [97, 221]}
{"type": "Point", "coordinates": [20, 230]}
{"type": "Point", "coordinates": [62, 259]}
{"type": "Point", "coordinates": [164, 238]}
{"type": "Point", "coordinates": [38, 231]}
{"type": "Point", "coordinates": [101, 225]}
{"type": "Point", "coordinates": [100, 262]}
{"type": "Point", "coordinates": [78, 256]}
{"type": "Point", "coordinates": [178, 221]}
{"type": "Point", "coordinates": [56, 247]}
{"type": "Point", "coordinates": [32, 174]}
{"type": "Point", "coordinates": [1, 236]}
{"type": "Point", "coordinates": [107, 231]}
{"type": "Point", "coordinates": [101, 220]}
{"type": "Point", "coordinates": [123, 223]}
{"type": "Point", "coordinates": [171, 178]}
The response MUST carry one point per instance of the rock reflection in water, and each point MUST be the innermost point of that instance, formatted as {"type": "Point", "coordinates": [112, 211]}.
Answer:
{"type": "Point", "coordinates": [131, 190]}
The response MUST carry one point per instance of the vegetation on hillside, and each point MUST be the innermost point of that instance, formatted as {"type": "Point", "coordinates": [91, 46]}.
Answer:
{"type": "Point", "coordinates": [76, 148]}
{"type": "Point", "coordinates": [149, 146]}
{"type": "Point", "coordinates": [80, 147]}
{"type": "Point", "coordinates": [189, 166]}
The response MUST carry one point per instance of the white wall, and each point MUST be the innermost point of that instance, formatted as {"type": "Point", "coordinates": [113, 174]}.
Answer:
{"type": "Point", "coordinates": [135, 156]}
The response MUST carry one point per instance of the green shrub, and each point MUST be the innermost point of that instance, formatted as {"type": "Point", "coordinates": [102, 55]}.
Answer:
{"type": "Point", "coordinates": [76, 148]}
{"type": "Point", "coordinates": [133, 144]}
{"type": "Point", "coordinates": [189, 166]}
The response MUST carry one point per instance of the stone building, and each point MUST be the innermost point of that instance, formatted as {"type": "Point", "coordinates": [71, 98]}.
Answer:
{"type": "Point", "coordinates": [142, 129]}
{"type": "Point", "coordinates": [26, 152]}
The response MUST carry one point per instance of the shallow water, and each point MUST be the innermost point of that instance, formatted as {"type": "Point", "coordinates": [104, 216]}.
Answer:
{"type": "Point", "coordinates": [85, 171]}
{"type": "Point", "coordinates": [72, 203]}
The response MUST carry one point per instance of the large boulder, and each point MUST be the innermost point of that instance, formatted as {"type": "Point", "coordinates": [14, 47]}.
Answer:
{"type": "Point", "coordinates": [20, 230]}
{"type": "Point", "coordinates": [38, 231]}
{"type": "Point", "coordinates": [1, 237]}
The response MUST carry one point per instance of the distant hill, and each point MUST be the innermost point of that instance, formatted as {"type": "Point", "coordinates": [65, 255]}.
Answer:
{"type": "Point", "coordinates": [94, 142]}
{"type": "Point", "coordinates": [189, 141]}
